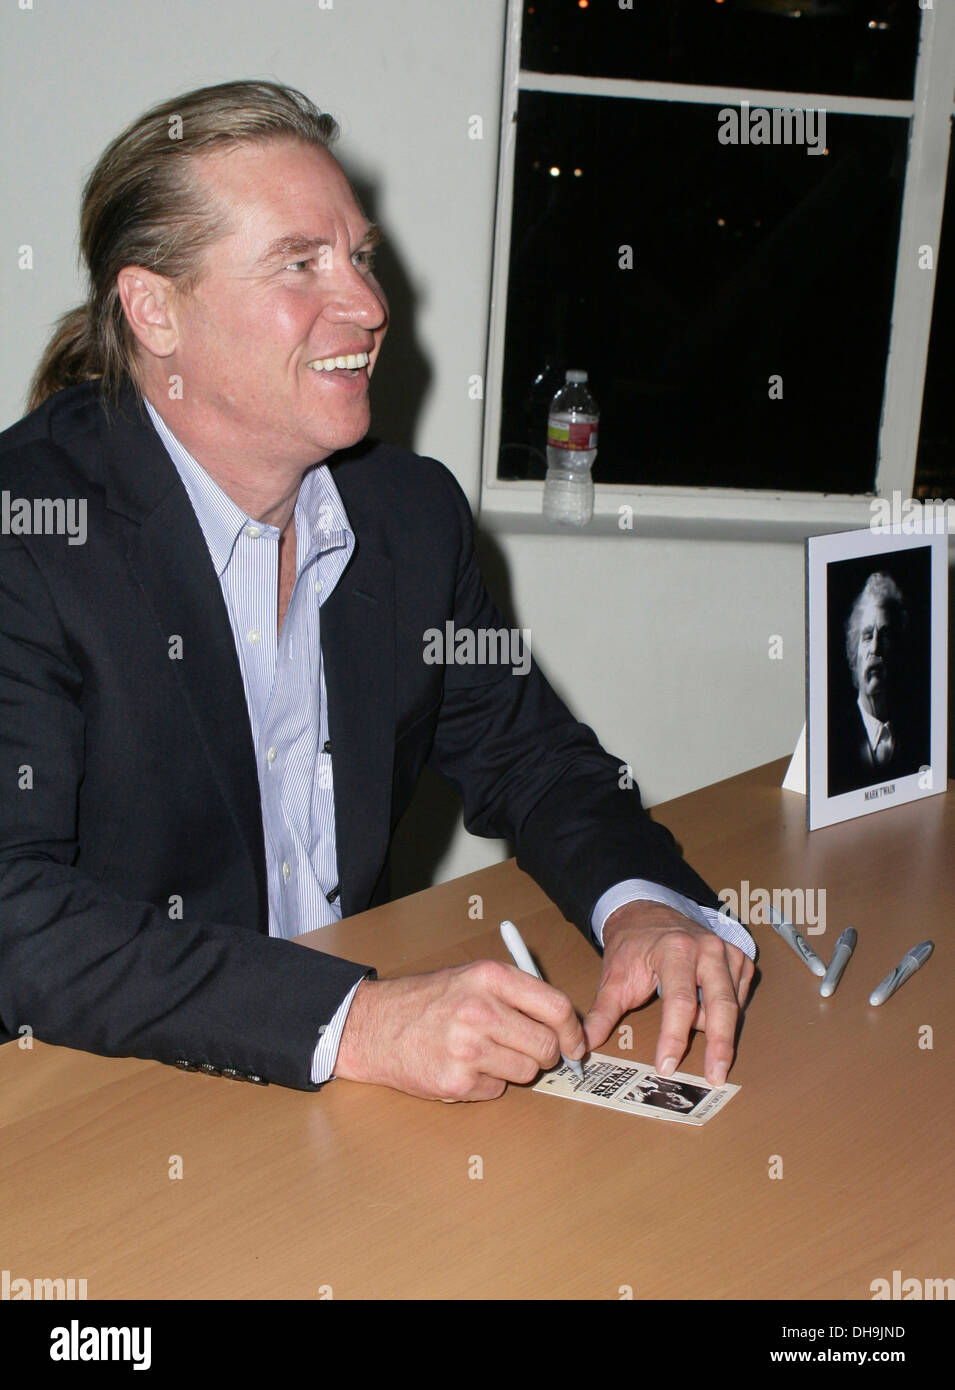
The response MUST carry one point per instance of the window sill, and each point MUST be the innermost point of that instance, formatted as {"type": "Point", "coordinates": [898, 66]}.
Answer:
{"type": "Point", "coordinates": [679, 513]}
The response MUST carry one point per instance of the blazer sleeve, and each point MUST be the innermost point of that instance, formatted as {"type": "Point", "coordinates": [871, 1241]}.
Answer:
{"type": "Point", "coordinates": [528, 771]}
{"type": "Point", "coordinates": [83, 967]}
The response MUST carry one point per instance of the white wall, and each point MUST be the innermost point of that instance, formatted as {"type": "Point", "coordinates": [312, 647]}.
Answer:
{"type": "Point", "coordinates": [661, 645]}
{"type": "Point", "coordinates": [402, 77]}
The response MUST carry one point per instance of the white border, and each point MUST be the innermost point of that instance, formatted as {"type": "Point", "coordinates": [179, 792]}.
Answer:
{"type": "Point", "coordinates": [821, 551]}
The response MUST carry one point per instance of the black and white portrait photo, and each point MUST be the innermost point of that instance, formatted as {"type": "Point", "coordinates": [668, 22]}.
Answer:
{"type": "Point", "coordinates": [876, 649]}
{"type": "Point", "coordinates": [879, 690]}
{"type": "Point", "coordinates": [667, 1094]}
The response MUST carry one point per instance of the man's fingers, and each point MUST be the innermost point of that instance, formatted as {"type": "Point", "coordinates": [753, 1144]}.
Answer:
{"type": "Point", "coordinates": [614, 998]}
{"type": "Point", "coordinates": [535, 1013]}
{"type": "Point", "coordinates": [721, 1014]}
{"type": "Point", "coordinates": [680, 1008]}
{"type": "Point", "coordinates": [718, 970]}
{"type": "Point", "coordinates": [745, 981]}
{"type": "Point", "coordinates": [487, 1079]}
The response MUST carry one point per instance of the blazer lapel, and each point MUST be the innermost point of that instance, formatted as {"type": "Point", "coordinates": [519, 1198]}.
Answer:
{"type": "Point", "coordinates": [168, 555]}
{"type": "Point", "coordinates": [358, 651]}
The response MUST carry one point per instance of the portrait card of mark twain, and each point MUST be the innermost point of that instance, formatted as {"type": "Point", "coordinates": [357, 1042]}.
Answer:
{"type": "Point", "coordinates": [876, 652]}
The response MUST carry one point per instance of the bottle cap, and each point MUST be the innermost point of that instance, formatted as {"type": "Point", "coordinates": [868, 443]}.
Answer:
{"type": "Point", "coordinates": [575, 375]}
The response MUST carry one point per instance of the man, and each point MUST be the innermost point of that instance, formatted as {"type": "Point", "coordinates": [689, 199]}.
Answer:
{"type": "Point", "coordinates": [875, 741]}
{"type": "Point", "coordinates": [220, 699]}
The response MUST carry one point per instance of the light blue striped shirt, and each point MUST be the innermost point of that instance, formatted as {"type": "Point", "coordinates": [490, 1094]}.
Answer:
{"type": "Point", "coordinates": [290, 727]}
{"type": "Point", "coordinates": [280, 676]}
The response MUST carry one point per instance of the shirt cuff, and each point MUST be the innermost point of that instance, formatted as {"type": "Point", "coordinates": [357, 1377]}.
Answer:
{"type": "Point", "coordinates": [326, 1049]}
{"type": "Point", "coordinates": [642, 890]}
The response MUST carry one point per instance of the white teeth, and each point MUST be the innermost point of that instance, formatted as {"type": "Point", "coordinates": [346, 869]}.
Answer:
{"type": "Point", "coordinates": [329, 364]}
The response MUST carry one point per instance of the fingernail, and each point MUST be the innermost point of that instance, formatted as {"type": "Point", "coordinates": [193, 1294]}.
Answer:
{"type": "Point", "coordinates": [719, 1073]}
{"type": "Point", "coordinates": [668, 1066]}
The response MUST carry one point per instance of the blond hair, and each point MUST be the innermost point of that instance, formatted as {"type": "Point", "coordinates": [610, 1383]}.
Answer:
{"type": "Point", "coordinates": [142, 206]}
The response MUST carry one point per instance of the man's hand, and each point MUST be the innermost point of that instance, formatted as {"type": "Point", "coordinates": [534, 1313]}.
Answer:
{"type": "Point", "coordinates": [645, 945]}
{"type": "Point", "coordinates": [457, 1034]}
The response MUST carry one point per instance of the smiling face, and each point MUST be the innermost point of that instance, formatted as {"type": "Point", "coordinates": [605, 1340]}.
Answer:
{"type": "Point", "coordinates": [277, 341]}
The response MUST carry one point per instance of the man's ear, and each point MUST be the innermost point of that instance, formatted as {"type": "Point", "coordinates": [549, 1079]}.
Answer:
{"type": "Point", "coordinates": [149, 303]}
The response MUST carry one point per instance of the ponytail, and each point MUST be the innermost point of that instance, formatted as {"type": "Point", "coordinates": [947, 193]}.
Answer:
{"type": "Point", "coordinates": [71, 356]}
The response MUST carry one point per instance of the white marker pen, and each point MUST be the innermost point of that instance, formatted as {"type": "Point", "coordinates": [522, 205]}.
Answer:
{"type": "Point", "coordinates": [907, 966]}
{"type": "Point", "coordinates": [798, 943]}
{"type": "Point", "coordinates": [523, 959]}
{"type": "Point", "coordinates": [840, 959]}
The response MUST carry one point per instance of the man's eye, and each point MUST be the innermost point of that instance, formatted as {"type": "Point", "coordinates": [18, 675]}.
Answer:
{"type": "Point", "coordinates": [297, 265]}
{"type": "Point", "coordinates": [364, 260]}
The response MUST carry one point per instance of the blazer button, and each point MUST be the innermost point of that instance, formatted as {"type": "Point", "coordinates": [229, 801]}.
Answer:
{"type": "Point", "coordinates": [231, 1074]}
{"type": "Point", "coordinates": [185, 1065]}
{"type": "Point", "coordinates": [256, 1080]}
{"type": "Point", "coordinates": [209, 1069]}
{"type": "Point", "coordinates": [334, 894]}
{"type": "Point", "coordinates": [327, 746]}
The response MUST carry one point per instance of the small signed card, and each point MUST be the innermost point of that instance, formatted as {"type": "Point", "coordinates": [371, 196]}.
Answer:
{"type": "Point", "coordinates": [636, 1088]}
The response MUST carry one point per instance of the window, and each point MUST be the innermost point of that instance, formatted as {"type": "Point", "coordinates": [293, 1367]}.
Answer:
{"type": "Point", "coordinates": [726, 213]}
{"type": "Point", "coordinates": [935, 468]}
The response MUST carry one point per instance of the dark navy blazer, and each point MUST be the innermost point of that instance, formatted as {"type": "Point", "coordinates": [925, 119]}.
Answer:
{"type": "Point", "coordinates": [128, 779]}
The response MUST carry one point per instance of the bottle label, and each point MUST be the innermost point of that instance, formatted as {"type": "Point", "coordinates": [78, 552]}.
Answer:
{"type": "Point", "coordinates": [573, 434]}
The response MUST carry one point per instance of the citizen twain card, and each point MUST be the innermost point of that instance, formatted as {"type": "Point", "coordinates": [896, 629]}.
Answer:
{"type": "Point", "coordinates": [876, 655]}
{"type": "Point", "coordinates": [636, 1089]}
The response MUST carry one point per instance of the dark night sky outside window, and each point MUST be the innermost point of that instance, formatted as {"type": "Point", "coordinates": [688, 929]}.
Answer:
{"type": "Point", "coordinates": [935, 468]}
{"type": "Point", "coordinates": [749, 261]}
{"type": "Point", "coordinates": [779, 45]}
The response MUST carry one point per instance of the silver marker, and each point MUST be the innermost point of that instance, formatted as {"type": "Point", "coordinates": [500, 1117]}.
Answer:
{"type": "Point", "coordinates": [907, 966]}
{"type": "Point", "coordinates": [799, 943]}
{"type": "Point", "coordinates": [840, 959]}
{"type": "Point", "coordinates": [523, 959]}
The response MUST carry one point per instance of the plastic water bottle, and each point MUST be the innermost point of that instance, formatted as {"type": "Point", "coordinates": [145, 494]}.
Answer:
{"type": "Point", "coordinates": [571, 449]}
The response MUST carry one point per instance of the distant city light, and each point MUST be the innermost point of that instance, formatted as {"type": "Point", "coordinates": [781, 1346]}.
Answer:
{"type": "Point", "coordinates": [577, 173]}
{"type": "Point", "coordinates": [554, 171]}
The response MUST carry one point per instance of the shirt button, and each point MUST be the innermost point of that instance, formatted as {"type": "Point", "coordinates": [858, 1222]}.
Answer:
{"type": "Point", "coordinates": [253, 634]}
{"type": "Point", "coordinates": [286, 870]}
{"type": "Point", "coordinates": [318, 586]}
{"type": "Point", "coordinates": [253, 531]}
{"type": "Point", "coordinates": [271, 755]}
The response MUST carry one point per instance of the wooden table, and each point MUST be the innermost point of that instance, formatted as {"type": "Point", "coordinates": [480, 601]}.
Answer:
{"type": "Point", "coordinates": [359, 1192]}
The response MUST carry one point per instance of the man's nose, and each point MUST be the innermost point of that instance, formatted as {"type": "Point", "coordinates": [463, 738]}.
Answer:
{"type": "Point", "coordinates": [355, 300]}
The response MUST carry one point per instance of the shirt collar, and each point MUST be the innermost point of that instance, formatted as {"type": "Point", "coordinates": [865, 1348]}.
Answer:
{"type": "Point", "coordinates": [321, 522]}
{"type": "Point", "coordinates": [873, 726]}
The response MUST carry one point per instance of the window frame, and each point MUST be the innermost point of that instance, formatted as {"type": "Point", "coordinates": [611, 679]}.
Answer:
{"type": "Point", "coordinates": [764, 512]}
